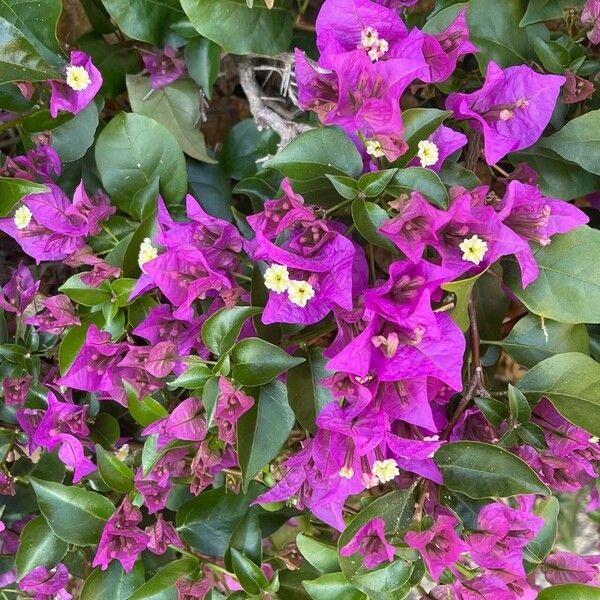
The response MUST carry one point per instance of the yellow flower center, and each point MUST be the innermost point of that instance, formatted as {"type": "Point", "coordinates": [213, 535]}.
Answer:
{"type": "Point", "coordinates": [147, 252]}
{"type": "Point", "coordinates": [473, 249]}
{"type": "Point", "coordinates": [374, 148]}
{"type": "Point", "coordinates": [300, 292]}
{"type": "Point", "coordinates": [78, 78]}
{"type": "Point", "coordinates": [385, 470]}
{"type": "Point", "coordinates": [277, 278]}
{"type": "Point", "coordinates": [428, 153]}
{"type": "Point", "coordinates": [22, 217]}
{"type": "Point", "coordinates": [346, 472]}
{"type": "Point", "coordinates": [375, 46]}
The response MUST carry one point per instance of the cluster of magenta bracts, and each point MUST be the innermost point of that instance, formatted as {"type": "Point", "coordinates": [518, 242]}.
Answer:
{"type": "Point", "coordinates": [397, 356]}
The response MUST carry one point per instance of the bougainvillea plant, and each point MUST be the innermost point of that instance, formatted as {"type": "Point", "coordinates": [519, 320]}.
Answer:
{"type": "Point", "coordinates": [299, 300]}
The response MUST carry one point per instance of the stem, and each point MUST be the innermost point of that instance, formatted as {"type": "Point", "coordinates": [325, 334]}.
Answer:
{"type": "Point", "coordinates": [372, 264]}
{"type": "Point", "coordinates": [338, 205]}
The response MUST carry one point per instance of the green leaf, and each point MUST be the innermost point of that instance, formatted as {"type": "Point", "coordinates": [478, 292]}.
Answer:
{"type": "Point", "coordinates": [519, 407]}
{"type": "Point", "coordinates": [73, 139]}
{"type": "Point", "coordinates": [455, 174]}
{"type": "Point", "coordinates": [532, 340]}
{"type": "Point", "coordinates": [251, 577]}
{"type": "Point", "coordinates": [553, 56]}
{"type": "Point", "coordinates": [320, 555]}
{"type": "Point", "coordinates": [263, 430]}
{"type": "Point", "coordinates": [221, 330]}
{"type": "Point", "coordinates": [578, 141]}
{"type": "Point", "coordinates": [144, 410]}
{"type": "Point", "coordinates": [176, 107]}
{"type": "Point", "coordinates": [203, 58]}
{"type": "Point", "coordinates": [114, 583]}
{"type": "Point", "coordinates": [211, 185]}
{"type": "Point", "coordinates": [29, 50]}
{"type": "Point", "coordinates": [162, 585]}
{"type": "Point", "coordinates": [306, 394]}
{"type": "Point", "coordinates": [105, 430]}
{"type": "Point", "coordinates": [462, 290]}
{"type": "Point", "coordinates": [247, 539]}
{"type": "Point", "coordinates": [547, 10]}
{"type": "Point", "coordinates": [239, 29]}
{"type": "Point", "coordinates": [12, 191]}
{"type": "Point", "coordinates": [193, 378]}
{"type": "Point", "coordinates": [146, 229]}
{"type": "Point", "coordinates": [39, 546]}
{"type": "Point", "coordinates": [257, 362]}
{"type": "Point", "coordinates": [381, 582]}
{"type": "Point", "coordinates": [114, 472]}
{"type": "Point", "coordinates": [74, 514]}
{"type": "Point", "coordinates": [568, 286]}
{"type": "Point", "coordinates": [493, 410]}
{"type": "Point", "coordinates": [570, 591]}
{"type": "Point", "coordinates": [133, 151]}
{"type": "Point", "coordinates": [419, 124]}
{"type": "Point", "coordinates": [541, 545]}
{"type": "Point", "coordinates": [85, 294]}
{"type": "Point", "coordinates": [422, 180]}
{"type": "Point", "coordinates": [395, 508]}
{"type": "Point", "coordinates": [558, 177]}
{"type": "Point", "coordinates": [374, 183]}
{"type": "Point", "coordinates": [346, 187]}
{"type": "Point", "coordinates": [481, 470]}
{"type": "Point", "coordinates": [494, 29]}
{"type": "Point", "coordinates": [332, 586]}
{"type": "Point", "coordinates": [207, 521]}
{"type": "Point", "coordinates": [144, 20]}
{"type": "Point", "coordinates": [317, 153]}
{"type": "Point", "coordinates": [368, 218]}
{"type": "Point", "coordinates": [571, 381]}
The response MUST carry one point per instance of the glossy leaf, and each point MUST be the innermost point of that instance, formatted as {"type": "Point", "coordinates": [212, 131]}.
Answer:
{"type": "Point", "coordinates": [74, 514]}
{"type": "Point", "coordinates": [203, 58]}
{"type": "Point", "coordinates": [239, 29]}
{"type": "Point", "coordinates": [422, 180]}
{"type": "Point", "coordinates": [133, 151]}
{"type": "Point", "coordinates": [114, 583]}
{"type": "Point", "coordinates": [532, 340]}
{"type": "Point", "coordinates": [481, 470]}
{"type": "Point", "coordinates": [568, 286]}
{"type": "Point", "coordinates": [570, 591]}
{"type": "Point", "coordinates": [176, 106]}
{"type": "Point", "coordinates": [541, 545]}
{"type": "Point", "coordinates": [144, 410]}
{"type": "Point", "coordinates": [571, 381]}
{"type": "Point", "coordinates": [39, 546]}
{"type": "Point", "coordinates": [12, 191]}
{"type": "Point", "coordinates": [257, 362]}
{"type": "Point", "coordinates": [222, 329]}
{"type": "Point", "coordinates": [320, 555]}
{"type": "Point", "coordinates": [162, 585]}
{"type": "Point", "coordinates": [332, 586]}
{"type": "Point", "coordinates": [263, 430]}
{"type": "Point", "coordinates": [250, 576]}
{"type": "Point", "coordinates": [368, 218]}
{"type": "Point", "coordinates": [73, 139]}
{"type": "Point", "coordinates": [546, 10]}
{"type": "Point", "coordinates": [462, 290]}
{"type": "Point", "coordinates": [306, 394]}
{"type": "Point", "coordinates": [85, 294]}
{"type": "Point", "coordinates": [114, 472]}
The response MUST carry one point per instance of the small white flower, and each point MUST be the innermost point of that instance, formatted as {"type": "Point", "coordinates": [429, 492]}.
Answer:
{"type": "Point", "coordinates": [147, 252]}
{"type": "Point", "coordinates": [473, 249]}
{"type": "Point", "coordinates": [346, 472]}
{"type": "Point", "coordinates": [78, 78]}
{"type": "Point", "coordinates": [300, 292]}
{"type": "Point", "coordinates": [374, 148]}
{"type": "Point", "coordinates": [428, 153]}
{"type": "Point", "coordinates": [506, 115]}
{"type": "Point", "coordinates": [277, 278]}
{"type": "Point", "coordinates": [22, 217]}
{"type": "Point", "coordinates": [385, 470]}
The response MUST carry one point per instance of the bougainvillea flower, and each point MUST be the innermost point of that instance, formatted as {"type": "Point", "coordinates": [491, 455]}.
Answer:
{"type": "Point", "coordinates": [164, 66]}
{"type": "Point", "coordinates": [370, 541]}
{"type": "Point", "coordinates": [185, 422]}
{"type": "Point", "coordinates": [433, 151]}
{"type": "Point", "coordinates": [511, 110]}
{"type": "Point", "coordinates": [192, 589]}
{"type": "Point", "coordinates": [92, 210]}
{"type": "Point", "coordinates": [231, 405]}
{"type": "Point", "coordinates": [15, 389]}
{"type": "Point", "coordinates": [502, 533]}
{"type": "Point", "coordinates": [121, 538]}
{"type": "Point", "coordinates": [567, 567]}
{"type": "Point", "coordinates": [81, 83]}
{"type": "Point", "coordinates": [202, 466]}
{"type": "Point", "coordinates": [18, 293]}
{"type": "Point", "coordinates": [58, 314]}
{"type": "Point", "coordinates": [415, 456]}
{"type": "Point", "coordinates": [162, 534]}
{"type": "Point", "coordinates": [39, 162]}
{"type": "Point", "coordinates": [101, 270]}
{"type": "Point", "coordinates": [576, 88]}
{"type": "Point", "coordinates": [492, 585]}
{"type": "Point", "coordinates": [590, 15]}
{"type": "Point", "coordinates": [44, 584]}
{"type": "Point", "coordinates": [439, 545]}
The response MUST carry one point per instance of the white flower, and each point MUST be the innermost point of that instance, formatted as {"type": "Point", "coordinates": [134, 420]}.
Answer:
{"type": "Point", "coordinates": [428, 153]}
{"type": "Point", "coordinates": [78, 78]}
{"type": "Point", "coordinates": [22, 217]}
{"type": "Point", "coordinates": [277, 278]}
{"type": "Point", "coordinates": [346, 472]}
{"type": "Point", "coordinates": [147, 252]}
{"type": "Point", "coordinates": [474, 249]}
{"type": "Point", "coordinates": [374, 148]}
{"type": "Point", "coordinates": [385, 470]}
{"type": "Point", "coordinates": [300, 292]}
